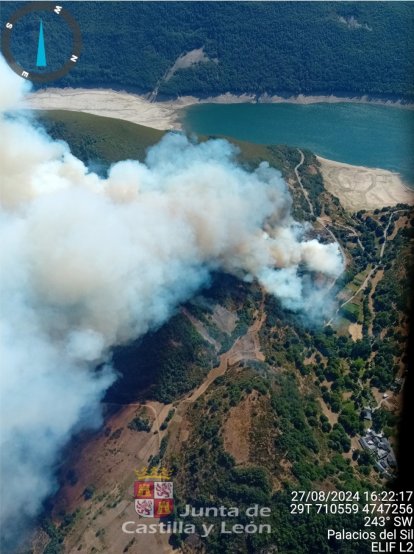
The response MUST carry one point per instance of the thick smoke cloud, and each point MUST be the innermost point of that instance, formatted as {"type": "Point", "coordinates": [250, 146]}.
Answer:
{"type": "Point", "coordinates": [87, 263]}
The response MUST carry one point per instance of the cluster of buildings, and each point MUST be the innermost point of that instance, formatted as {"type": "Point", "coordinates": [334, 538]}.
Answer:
{"type": "Point", "coordinates": [380, 447]}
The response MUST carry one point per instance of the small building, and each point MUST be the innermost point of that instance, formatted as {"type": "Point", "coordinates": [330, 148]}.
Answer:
{"type": "Point", "coordinates": [380, 467]}
{"type": "Point", "coordinates": [381, 453]}
{"type": "Point", "coordinates": [391, 459]}
{"type": "Point", "coordinates": [367, 414]}
{"type": "Point", "coordinates": [385, 445]}
{"type": "Point", "coordinates": [366, 444]}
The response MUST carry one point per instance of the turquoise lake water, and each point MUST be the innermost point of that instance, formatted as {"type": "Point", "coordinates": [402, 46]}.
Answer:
{"type": "Point", "coordinates": [359, 134]}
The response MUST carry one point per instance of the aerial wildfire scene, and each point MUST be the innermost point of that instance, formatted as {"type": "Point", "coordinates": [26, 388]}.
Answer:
{"type": "Point", "coordinates": [205, 277]}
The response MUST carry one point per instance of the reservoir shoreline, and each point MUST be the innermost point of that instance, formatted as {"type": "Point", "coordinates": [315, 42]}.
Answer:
{"type": "Point", "coordinates": [166, 114]}
{"type": "Point", "coordinates": [246, 97]}
{"type": "Point", "coordinates": [358, 186]}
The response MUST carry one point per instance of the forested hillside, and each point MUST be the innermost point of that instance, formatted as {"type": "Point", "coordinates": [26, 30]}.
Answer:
{"type": "Point", "coordinates": [290, 403]}
{"type": "Point", "coordinates": [260, 47]}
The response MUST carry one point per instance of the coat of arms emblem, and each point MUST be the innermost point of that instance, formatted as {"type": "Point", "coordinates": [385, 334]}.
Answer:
{"type": "Point", "coordinates": [153, 493]}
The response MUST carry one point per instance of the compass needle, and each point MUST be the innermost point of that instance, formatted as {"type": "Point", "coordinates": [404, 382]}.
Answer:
{"type": "Point", "coordinates": [41, 51]}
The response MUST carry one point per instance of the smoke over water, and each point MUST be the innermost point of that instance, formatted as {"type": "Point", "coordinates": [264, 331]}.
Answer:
{"type": "Point", "coordinates": [88, 263]}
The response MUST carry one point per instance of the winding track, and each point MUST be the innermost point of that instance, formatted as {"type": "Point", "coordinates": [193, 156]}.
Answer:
{"type": "Point", "coordinates": [299, 180]}
{"type": "Point", "coordinates": [311, 210]}
{"type": "Point", "coordinates": [321, 222]}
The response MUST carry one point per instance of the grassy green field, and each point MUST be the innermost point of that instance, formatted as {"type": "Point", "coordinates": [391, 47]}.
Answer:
{"type": "Point", "coordinates": [93, 137]}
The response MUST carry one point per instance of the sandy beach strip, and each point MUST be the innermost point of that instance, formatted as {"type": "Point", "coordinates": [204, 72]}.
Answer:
{"type": "Point", "coordinates": [107, 103]}
{"type": "Point", "coordinates": [161, 115]}
{"type": "Point", "coordinates": [364, 188]}
{"type": "Point", "coordinates": [332, 99]}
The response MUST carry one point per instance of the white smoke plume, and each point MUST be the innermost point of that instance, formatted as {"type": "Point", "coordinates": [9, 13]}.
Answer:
{"type": "Point", "coordinates": [88, 263]}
